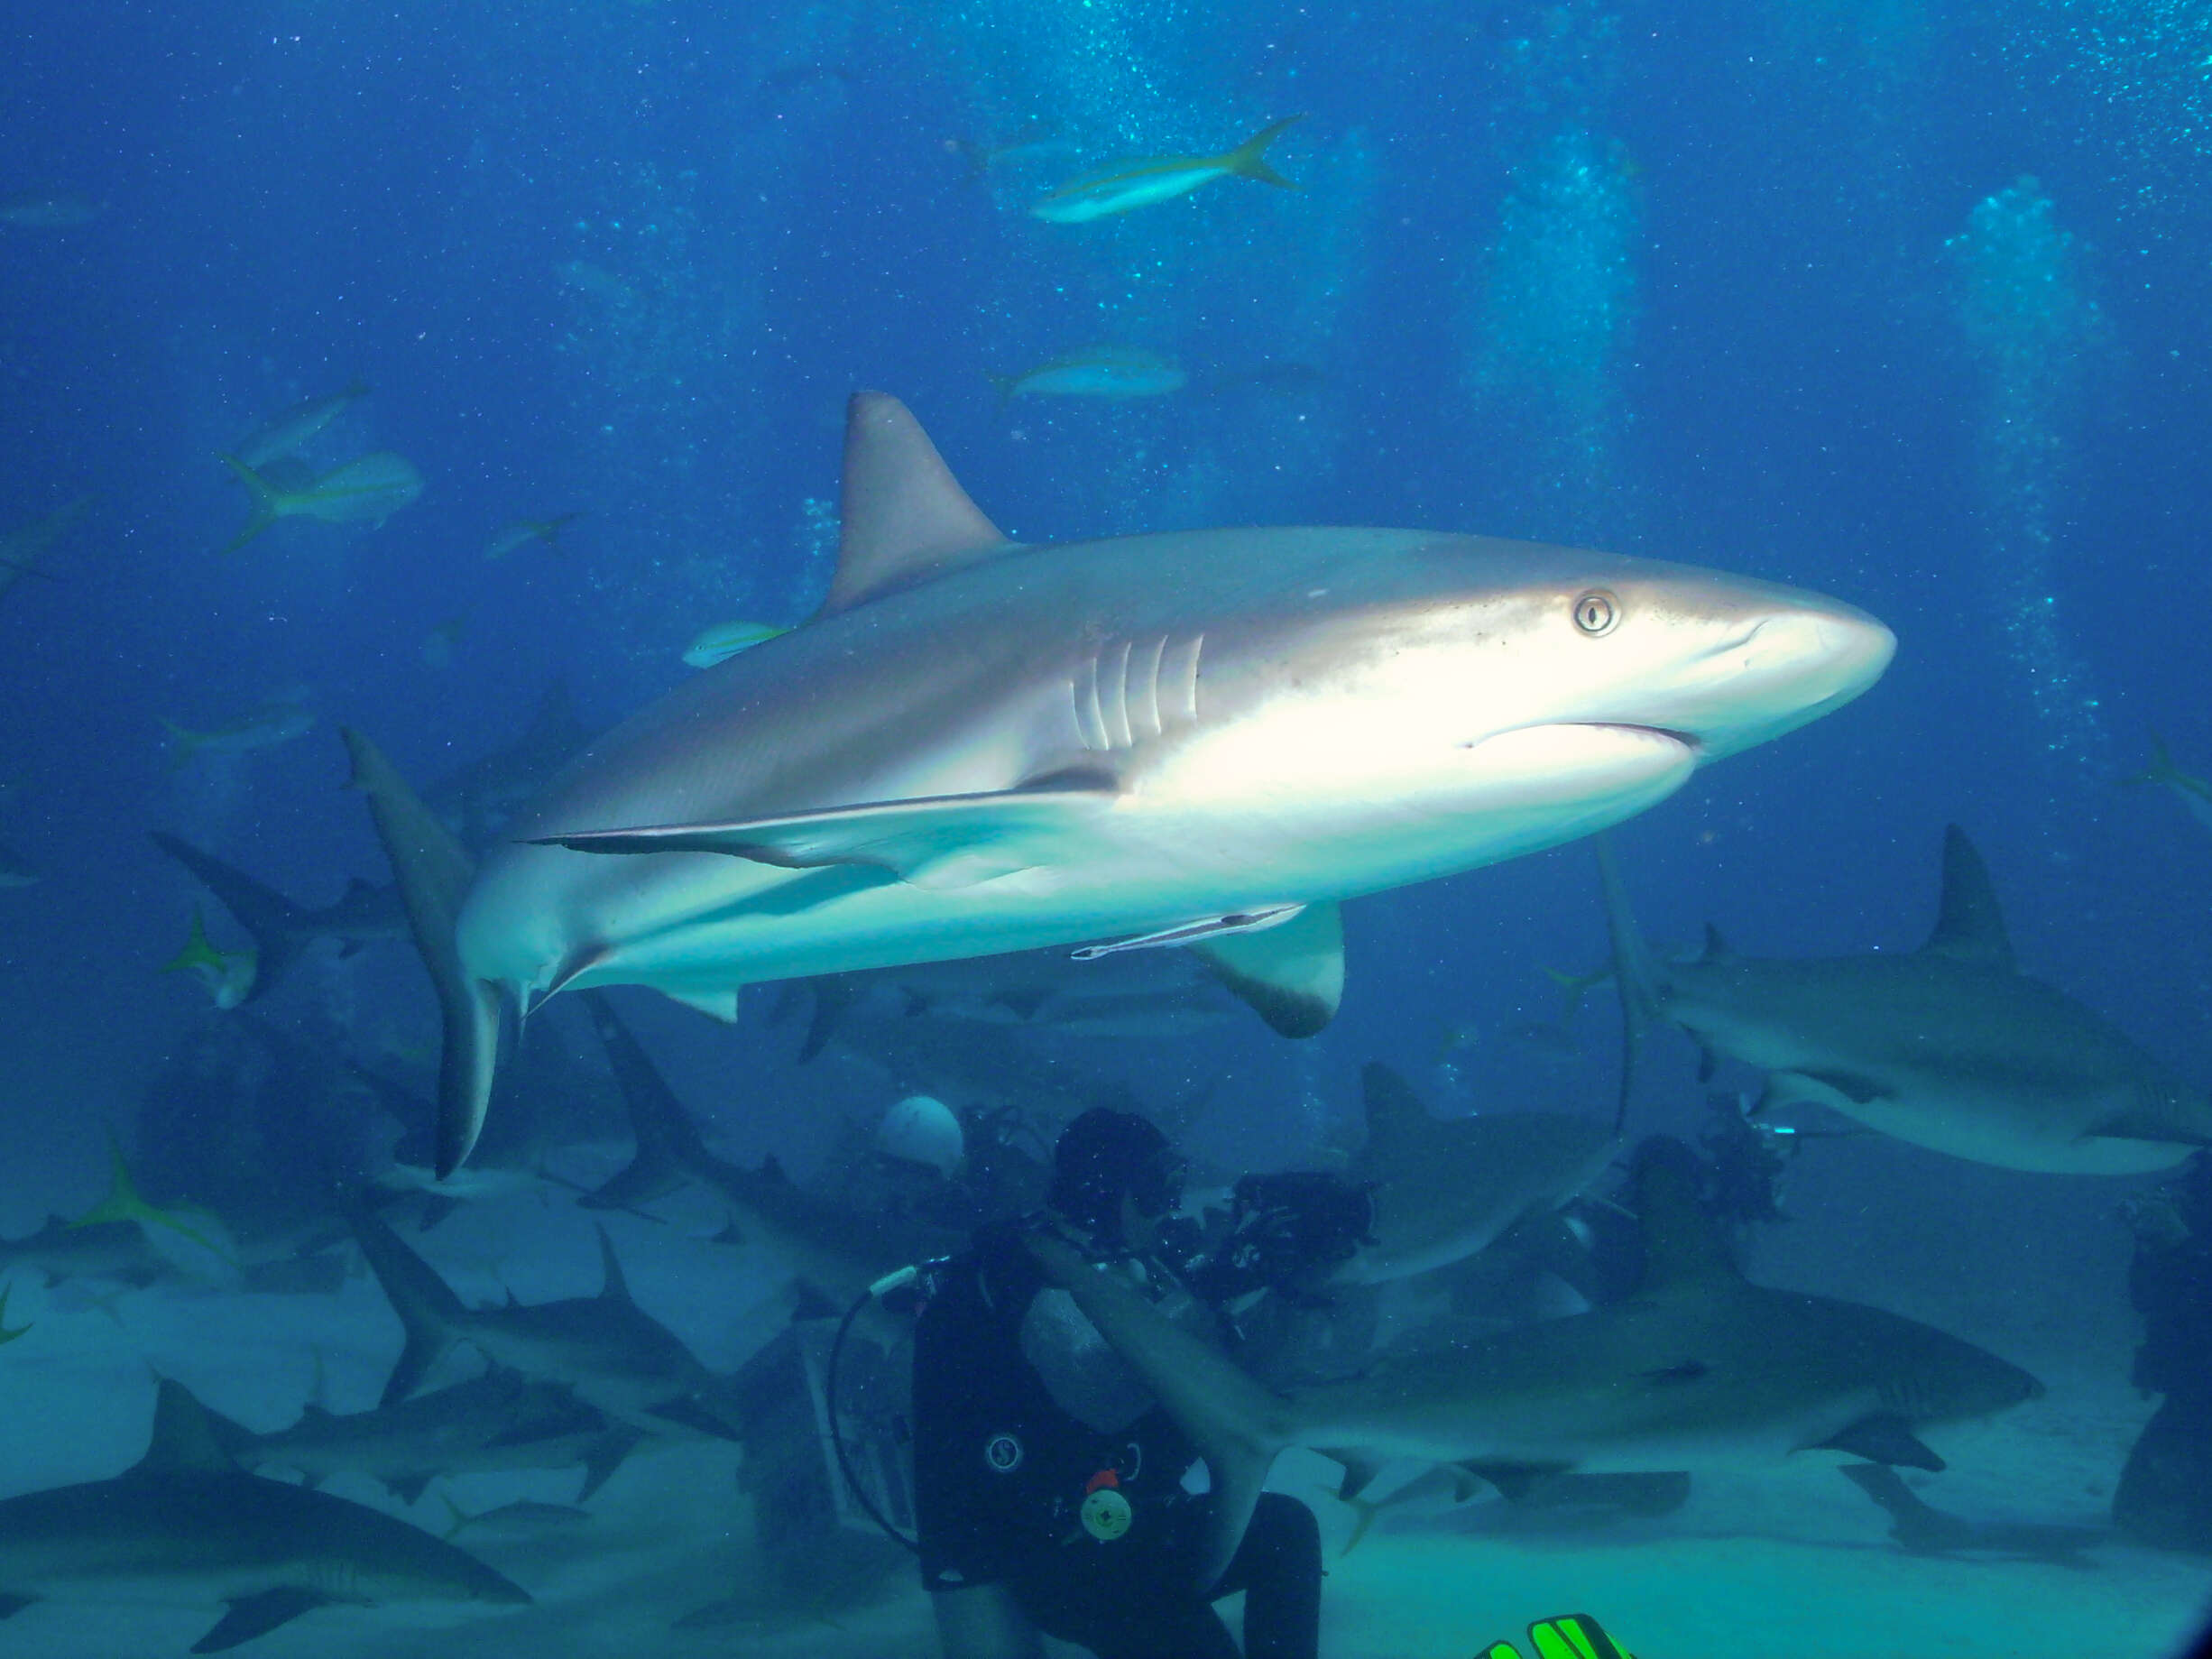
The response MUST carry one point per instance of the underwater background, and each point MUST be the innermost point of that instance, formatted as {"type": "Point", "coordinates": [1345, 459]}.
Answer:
{"type": "Point", "coordinates": [1902, 302]}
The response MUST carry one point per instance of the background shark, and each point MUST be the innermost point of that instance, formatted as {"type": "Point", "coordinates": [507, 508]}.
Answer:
{"type": "Point", "coordinates": [1699, 1369]}
{"type": "Point", "coordinates": [1202, 739]}
{"type": "Point", "coordinates": [1949, 1046]}
{"type": "Point", "coordinates": [186, 1523]}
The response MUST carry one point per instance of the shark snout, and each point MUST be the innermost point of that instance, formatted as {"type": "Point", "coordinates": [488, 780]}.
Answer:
{"type": "Point", "coordinates": [1771, 673]}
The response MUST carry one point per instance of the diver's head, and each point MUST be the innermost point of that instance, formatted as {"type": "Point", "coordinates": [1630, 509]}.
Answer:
{"type": "Point", "coordinates": [1115, 1176]}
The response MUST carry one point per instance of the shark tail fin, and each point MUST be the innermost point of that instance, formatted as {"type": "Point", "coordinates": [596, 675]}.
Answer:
{"type": "Point", "coordinates": [434, 872]}
{"type": "Point", "coordinates": [280, 928]}
{"type": "Point", "coordinates": [429, 1313]}
{"type": "Point", "coordinates": [266, 499]}
{"type": "Point", "coordinates": [1248, 159]}
{"type": "Point", "coordinates": [1005, 385]}
{"type": "Point", "coordinates": [1634, 971]}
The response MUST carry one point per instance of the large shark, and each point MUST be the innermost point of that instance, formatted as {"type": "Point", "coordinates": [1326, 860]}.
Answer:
{"type": "Point", "coordinates": [1949, 1046]}
{"type": "Point", "coordinates": [1699, 1369]}
{"type": "Point", "coordinates": [1445, 1188]}
{"type": "Point", "coordinates": [186, 1523]}
{"type": "Point", "coordinates": [1204, 738]}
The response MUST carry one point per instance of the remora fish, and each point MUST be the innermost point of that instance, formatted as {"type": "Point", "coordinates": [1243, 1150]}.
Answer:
{"type": "Point", "coordinates": [1949, 1046]}
{"type": "Point", "coordinates": [1129, 185]}
{"type": "Point", "coordinates": [281, 929]}
{"type": "Point", "coordinates": [1202, 738]}
{"type": "Point", "coordinates": [1699, 1369]}
{"type": "Point", "coordinates": [498, 1421]}
{"type": "Point", "coordinates": [186, 1523]}
{"type": "Point", "coordinates": [611, 1351]}
{"type": "Point", "coordinates": [368, 490]}
{"type": "Point", "coordinates": [1444, 1189]}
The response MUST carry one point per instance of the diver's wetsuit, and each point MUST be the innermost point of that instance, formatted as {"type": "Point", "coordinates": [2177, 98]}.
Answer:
{"type": "Point", "coordinates": [1002, 1467]}
{"type": "Point", "coordinates": [2165, 1495]}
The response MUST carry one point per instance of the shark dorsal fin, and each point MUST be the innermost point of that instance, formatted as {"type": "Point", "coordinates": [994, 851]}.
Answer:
{"type": "Point", "coordinates": [1680, 1244]}
{"type": "Point", "coordinates": [1395, 1113]}
{"type": "Point", "coordinates": [615, 1288]}
{"type": "Point", "coordinates": [1716, 947]}
{"type": "Point", "coordinates": [184, 1440]}
{"type": "Point", "coordinates": [904, 516]}
{"type": "Point", "coordinates": [1970, 925]}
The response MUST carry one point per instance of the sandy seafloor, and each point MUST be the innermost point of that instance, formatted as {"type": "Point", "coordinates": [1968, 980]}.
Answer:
{"type": "Point", "coordinates": [1776, 1564]}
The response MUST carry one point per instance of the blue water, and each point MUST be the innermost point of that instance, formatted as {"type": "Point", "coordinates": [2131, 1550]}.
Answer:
{"type": "Point", "coordinates": [1900, 302]}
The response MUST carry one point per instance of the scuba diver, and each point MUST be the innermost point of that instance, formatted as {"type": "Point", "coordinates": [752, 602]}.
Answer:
{"type": "Point", "coordinates": [2164, 1495]}
{"type": "Point", "coordinates": [1050, 1491]}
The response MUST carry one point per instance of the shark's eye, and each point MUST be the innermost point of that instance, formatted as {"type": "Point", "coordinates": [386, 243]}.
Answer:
{"type": "Point", "coordinates": [1597, 612]}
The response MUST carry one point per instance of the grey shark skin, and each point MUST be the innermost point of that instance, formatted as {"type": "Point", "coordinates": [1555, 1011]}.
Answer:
{"type": "Point", "coordinates": [1446, 1189]}
{"type": "Point", "coordinates": [496, 1422]}
{"type": "Point", "coordinates": [978, 748]}
{"type": "Point", "coordinates": [1699, 1369]}
{"type": "Point", "coordinates": [1949, 1046]}
{"type": "Point", "coordinates": [282, 930]}
{"type": "Point", "coordinates": [613, 1354]}
{"type": "Point", "coordinates": [187, 1525]}
{"type": "Point", "coordinates": [833, 1251]}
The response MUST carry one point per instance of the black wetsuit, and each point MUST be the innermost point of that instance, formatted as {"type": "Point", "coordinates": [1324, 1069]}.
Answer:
{"type": "Point", "coordinates": [2164, 1495]}
{"type": "Point", "coordinates": [1001, 1470]}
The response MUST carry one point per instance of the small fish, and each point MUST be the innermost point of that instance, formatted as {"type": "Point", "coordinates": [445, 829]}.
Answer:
{"type": "Point", "coordinates": [290, 430]}
{"type": "Point", "coordinates": [726, 639]}
{"type": "Point", "coordinates": [369, 490]}
{"type": "Point", "coordinates": [21, 547]}
{"type": "Point", "coordinates": [48, 210]}
{"type": "Point", "coordinates": [437, 648]}
{"type": "Point", "coordinates": [523, 532]}
{"type": "Point", "coordinates": [158, 1225]}
{"type": "Point", "coordinates": [228, 975]}
{"type": "Point", "coordinates": [265, 728]}
{"type": "Point", "coordinates": [15, 870]}
{"type": "Point", "coordinates": [1130, 185]}
{"type": "Point", "coordinates": [2194, 792]}
{"type": "Point", "coordinates": [1101, 372]}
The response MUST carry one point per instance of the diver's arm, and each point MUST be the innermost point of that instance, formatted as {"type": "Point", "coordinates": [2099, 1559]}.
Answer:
{"type": "Point", "coordinates": [984, 1621]}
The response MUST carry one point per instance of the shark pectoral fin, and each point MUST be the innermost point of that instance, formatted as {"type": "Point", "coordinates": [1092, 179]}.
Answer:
{"type": "Point", "coordinates": [1292, 973]}
{"type": "Point", "coordinates": [12, 1605]}
{"type": "Point", "coordinates": [1513, 1477]}
{"type": "Point", "coordinates": [1838, 1091]}
{"type": "Point", "coordinates": [253, 1615]}
{"type": "Point", "coordinates": [604, 1458]}
{"type": "Point", "coordinates": [408, 1489]}
{"type": "Point", "coordinates": [1883, 1438]}
{"type": "Point", "coordinates": [719, 1005]}
{"type": "Point", "coordinates": [942, 841]}
{"type": "Point", "coordinates": [1360, 1471]}
{"type": "Point", "coordinates": [2136, 1121]}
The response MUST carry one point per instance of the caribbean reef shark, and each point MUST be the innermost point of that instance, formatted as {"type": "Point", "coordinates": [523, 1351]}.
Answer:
{"type": "Point", "coordinates": [1949, 1046]}
{"type": "Point", "coordinates": [186, 1523]}
{"type": "Point", "coordinates": [1699, 1369]}
{"type": "Point", "coordinates": [617, 1357]}
{"type": "Point", "coordinates": [1204, 739]}
{"type": "Point", "coordinates": [1444, 1189]}
{"type": "Point", "coordinates": [282, 930]}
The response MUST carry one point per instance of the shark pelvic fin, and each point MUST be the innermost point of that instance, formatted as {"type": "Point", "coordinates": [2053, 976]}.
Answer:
{"type": "Point", "coordinates": [940, 841]}
{"type": "Point", "coordinates": [1970, 923]}
{"type": "Point", "coordinates": [1883, 1438]}
{"type": "Point", "coordinates": [1292, 974]}
{"type": "Point", "coordinates": [904, 516]}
